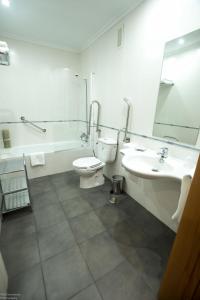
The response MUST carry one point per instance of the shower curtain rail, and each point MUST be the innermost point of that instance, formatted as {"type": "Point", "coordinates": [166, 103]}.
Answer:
{"type": "Point", "coordinates": [23, 119]}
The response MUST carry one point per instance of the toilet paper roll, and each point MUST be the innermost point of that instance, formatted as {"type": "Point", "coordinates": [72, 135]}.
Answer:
{"type": "Point", "coordinates": [5, 134]}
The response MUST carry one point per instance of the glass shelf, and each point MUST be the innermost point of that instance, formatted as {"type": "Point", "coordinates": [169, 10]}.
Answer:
{"type": "Point", "coordinates": [14, 187]}
{"type": "Point", "coordinates": [13, 184]}
{"type": "Point", "coordinates": [16, 201]}
{"type": "Point", "coordinates": [11, 166]}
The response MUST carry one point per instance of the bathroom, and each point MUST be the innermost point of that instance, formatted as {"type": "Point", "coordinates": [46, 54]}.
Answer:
{"type": "Point", "coordinates": [104, 80]}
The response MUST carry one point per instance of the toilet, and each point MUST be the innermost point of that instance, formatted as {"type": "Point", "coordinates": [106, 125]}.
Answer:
{"type": "Point", "coordinates": [90, 169]}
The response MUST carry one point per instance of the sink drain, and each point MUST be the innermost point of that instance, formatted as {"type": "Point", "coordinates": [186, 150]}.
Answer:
{"type": "Point", "coordinates": [155, 170]}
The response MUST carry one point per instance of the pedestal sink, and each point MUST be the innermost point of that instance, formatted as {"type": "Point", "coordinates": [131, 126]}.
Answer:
{"type": "Point", "coordinates": [147, 165]}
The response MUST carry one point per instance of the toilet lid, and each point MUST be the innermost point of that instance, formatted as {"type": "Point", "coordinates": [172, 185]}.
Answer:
{"type": "Point", "coordinates": [87, 162]}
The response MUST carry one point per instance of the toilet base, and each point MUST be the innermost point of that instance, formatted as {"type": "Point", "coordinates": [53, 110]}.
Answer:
{"type": "Point", "coordinates": [94, 180]}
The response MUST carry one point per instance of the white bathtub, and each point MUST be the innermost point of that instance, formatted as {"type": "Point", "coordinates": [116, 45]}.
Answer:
{"type": "Point", "coordinates": [59, 156]}
{"type": "Point", "coordinates": [46, 148]}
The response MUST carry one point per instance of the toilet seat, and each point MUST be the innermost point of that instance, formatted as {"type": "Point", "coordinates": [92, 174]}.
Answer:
{"type": "Point", "coordinates": [88, 163]}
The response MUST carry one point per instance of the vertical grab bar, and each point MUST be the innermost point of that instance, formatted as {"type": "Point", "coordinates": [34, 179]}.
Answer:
{"type": "Point", "coordinates": [98, 115]}
{"type": "Point", "coordinates": [127, 120]}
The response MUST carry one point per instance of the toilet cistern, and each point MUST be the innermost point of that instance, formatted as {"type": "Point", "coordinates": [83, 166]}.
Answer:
{"type": "Point", "coordinates": [163, 154]}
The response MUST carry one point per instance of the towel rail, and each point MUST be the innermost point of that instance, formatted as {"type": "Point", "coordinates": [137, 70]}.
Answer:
{"type": "Point", "coordinates": [33, 124]}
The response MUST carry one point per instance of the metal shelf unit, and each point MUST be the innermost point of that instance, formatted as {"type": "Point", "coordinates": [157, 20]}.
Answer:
{"type": "Point", "coordinates": [14, 185]}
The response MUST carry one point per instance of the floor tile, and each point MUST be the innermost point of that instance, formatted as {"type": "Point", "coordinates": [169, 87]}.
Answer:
{"type": "Point", "coordinates": [73, 178]}
{"type": "Point", "coordinates": [16, 226]}
{"type": "Point", "coordinates": [131, 255]}
{"type": "Point", "coordinates": [58, 180]}
{"type": "Point", "coordinates": [55, 239]}
{"type": "Point", "coordinates": [95, 198]}
{"type": "Point", "coordinates": [68, 192]}
{"type": "Point", "coordinates": [107, 187]}
{"type": "Point", "coordinates": [127, 260]}
{"type": "Point", "coordinates": [75, 206]}
{"type": "Point", "coordinates": [90, 293]}
{"type": "Point", "coordinates": [38, 185]}
{"type": "Point", "coordinates": [150, 262]}
{"type": "Point", "coordinates": [130, 206]}
{"type": "Point", "coordinates": [102, 254]}
{"type": "Point", "coordinates": [39, 180]}
{"type": "Point", "coordinates": [28, 284]}
{"type": "Point", "coordinates": [151, 267]}
{"type": "Point", "coordinates": [124, 283]}
{"type": "Point", "coordinates": [147, 222]}
{"type": "Point", "coordinates": [145, 261]}
{"type": "Point", "coordinates": [50, 215]}
{"type": "Point", "coordinates": [66, 274]}
{"type": "Point", "coordinates": [42, 200]}
{"type": "Point", "coordinates": [86, 226]}
{"type": "Point", "coordinates": [162, 245]}
{"type": "Point", "coordinates": [21, 254]}
{"type": "Point", "coordinates": [110, 215]}
{"type": "Point", "coordinates": [126, 234]}
{"type": "Point", "coordinates": [62, 179]}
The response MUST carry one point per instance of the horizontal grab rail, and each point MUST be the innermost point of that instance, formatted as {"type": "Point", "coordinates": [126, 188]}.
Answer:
{"type": "Point", "coordinates": [31, 123]}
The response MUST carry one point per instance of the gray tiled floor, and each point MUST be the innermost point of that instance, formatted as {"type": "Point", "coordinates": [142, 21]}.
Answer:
{"type": "Point", "coordinates": [77, 246]}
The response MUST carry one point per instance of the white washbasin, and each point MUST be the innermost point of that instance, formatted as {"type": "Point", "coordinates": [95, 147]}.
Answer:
{"type": "Point", "coordinates": [147, 165]}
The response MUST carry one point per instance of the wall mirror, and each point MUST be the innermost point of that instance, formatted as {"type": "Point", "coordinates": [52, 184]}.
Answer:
{"type": "Point", "coordinates": [177, 116]}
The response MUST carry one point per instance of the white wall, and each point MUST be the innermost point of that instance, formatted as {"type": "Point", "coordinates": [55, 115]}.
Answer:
{"type": "Point", "coordinates": [40, 84]}
{"type": "Point", "coordinates": [134, 70]}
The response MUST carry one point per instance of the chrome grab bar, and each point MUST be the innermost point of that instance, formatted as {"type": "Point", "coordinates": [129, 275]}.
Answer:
{"type": "Point", "coordinates": [126, 139]}
{"type": "Point", "coordinates": [90, 116]}
{"type": "Point", "coordinates": [23, 119]}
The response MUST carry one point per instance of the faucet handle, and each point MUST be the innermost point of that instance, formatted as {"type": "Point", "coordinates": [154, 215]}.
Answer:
{"type": "Point", "coordinates": [164, 149]}
{"type": "Point", "coordinates": [163, 152]}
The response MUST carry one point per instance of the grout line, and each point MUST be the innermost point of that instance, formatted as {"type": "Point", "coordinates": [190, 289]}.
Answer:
{"type": "Point", "coordinates": [96, 280]}
{"type": "Point", "coordinates": [60, 252]}
{"type": "Point", "coordinates": [76, 244]}
{"type": "Point", "coordinates": [92, 237]}
{"type": "Point", "coordinates": [21, 272]}
{"type": "Point", "coordinates": [87, 264]}
{"type": "Point", "coordinates": [74, 295]}
{"type": "Point", "coordinates": [79, 246]}
{"type": "Point", "coordinates": [42, 271]}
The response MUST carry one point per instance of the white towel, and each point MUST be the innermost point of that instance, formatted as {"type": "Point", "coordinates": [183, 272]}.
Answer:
{"type": "Point", "coordinates": [185, 187]}
{"type": "Point", "coordinates": [37, 159]}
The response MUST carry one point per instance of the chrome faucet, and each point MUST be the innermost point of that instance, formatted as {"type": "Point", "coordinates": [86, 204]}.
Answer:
{"type": "Point", "coordinates": [163, 154]}
{"type": "Point", "coordinates": [84, 137]}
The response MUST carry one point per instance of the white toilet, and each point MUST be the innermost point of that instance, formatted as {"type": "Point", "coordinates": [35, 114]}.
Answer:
{"type": "Point", "coordinates": [90, 169]}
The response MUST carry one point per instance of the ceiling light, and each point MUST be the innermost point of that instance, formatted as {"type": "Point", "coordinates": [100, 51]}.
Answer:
{"type": "Point", "coordinates": [5, 2]}
{"type": "Point", "coordinates": [181, 41]}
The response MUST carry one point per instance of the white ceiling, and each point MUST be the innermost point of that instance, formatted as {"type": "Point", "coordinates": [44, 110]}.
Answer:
{"type": "Point", "coordinates": [65, 24]}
